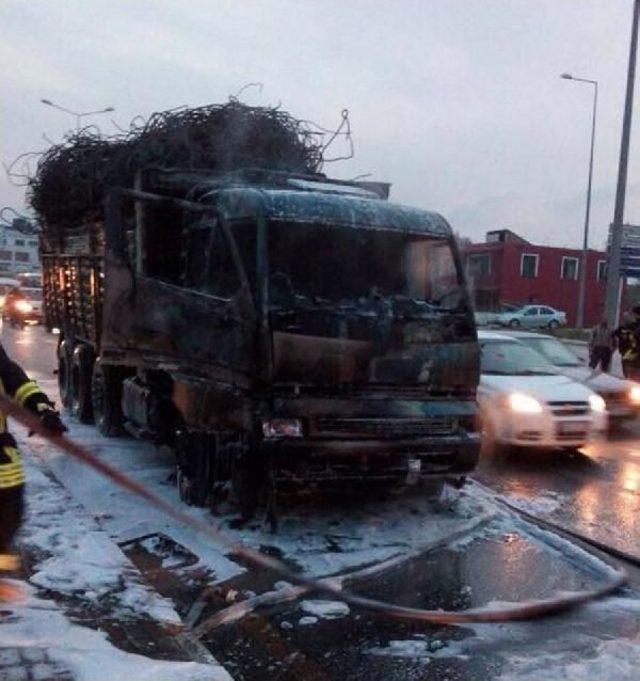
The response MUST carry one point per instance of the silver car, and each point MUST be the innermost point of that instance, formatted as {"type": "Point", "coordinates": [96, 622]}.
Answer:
{"type": "Point", "coordinates": [622, 397]}
{"type": "Point", "coordinates": [533, 317]}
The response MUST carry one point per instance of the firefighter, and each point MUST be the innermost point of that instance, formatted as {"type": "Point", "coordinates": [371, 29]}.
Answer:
{"type": "Point", "coordinates": [15, 383]}
{"type": "Point", "coordinates": [627, 337]}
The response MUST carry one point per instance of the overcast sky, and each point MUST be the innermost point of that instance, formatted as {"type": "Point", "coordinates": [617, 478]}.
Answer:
{"type": "Point", "coordinates": [458, 103]}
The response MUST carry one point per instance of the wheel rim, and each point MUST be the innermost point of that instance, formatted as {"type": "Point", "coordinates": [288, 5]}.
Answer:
{"type": "Point", "coordinates": [74, 386]}
{"type": "Point", "coordinates": [64, 377]}
{"type": "Point", "coordinates": [98, 398]}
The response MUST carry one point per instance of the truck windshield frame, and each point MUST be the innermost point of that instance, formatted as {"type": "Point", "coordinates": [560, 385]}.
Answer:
{"type": "Point", "coordinates": [326, 265]}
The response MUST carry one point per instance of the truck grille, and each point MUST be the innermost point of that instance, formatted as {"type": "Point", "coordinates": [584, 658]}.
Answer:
{"type": "Point", "coordinates": [564, 409]}
{"type": "Point", "coordinates": [385, 427]}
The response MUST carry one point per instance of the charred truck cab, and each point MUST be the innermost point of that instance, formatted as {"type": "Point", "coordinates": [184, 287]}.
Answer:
{"type": "Point", "coordinates": [274, 330]}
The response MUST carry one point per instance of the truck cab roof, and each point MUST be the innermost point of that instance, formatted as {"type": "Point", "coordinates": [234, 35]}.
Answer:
{"type": "Point", "coordinates": [303, 198]}
{"type": "Point", "coordinates": [321, 207]}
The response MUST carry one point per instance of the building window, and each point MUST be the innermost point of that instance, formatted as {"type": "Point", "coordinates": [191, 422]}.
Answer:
{"type": "Point", "coordinates": [5, 255]}
{"type": "Point", "coordinates": [529, 265]}
{"type": "Point", "coordinates": [479, 265]}
{"type": "Point", "coordinates": [569, 268]}
{"type": "Point", "coordinates": [33, 243]}
{"type": "Point", "coordinates": [601, 274]}
{"type": "Point", "coordinates": [487, 301]}
{"type": "Point", "coordinates": [18, 242]}
{"type": "Point", "coordinates": [22, 257]}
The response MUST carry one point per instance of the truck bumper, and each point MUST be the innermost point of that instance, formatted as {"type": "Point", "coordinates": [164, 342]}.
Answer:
{"type": "Point", "coordinates": [308, 461]}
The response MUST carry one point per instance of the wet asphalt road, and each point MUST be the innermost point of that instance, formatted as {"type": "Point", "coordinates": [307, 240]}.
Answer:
{"type": "Point", "coordinates": [595, 492]}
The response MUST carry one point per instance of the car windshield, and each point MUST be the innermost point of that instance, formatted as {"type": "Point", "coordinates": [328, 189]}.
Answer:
{"type": "Point", "coordinates": [511, 358]}
{"type": "Point", "coordinates": [553, 351]}
{"type": "Point", "coordinates": [33, 294]}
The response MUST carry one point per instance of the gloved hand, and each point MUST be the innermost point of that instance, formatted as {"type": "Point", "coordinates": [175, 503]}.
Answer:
{"type": "Point", "coordinates": [51, 422]}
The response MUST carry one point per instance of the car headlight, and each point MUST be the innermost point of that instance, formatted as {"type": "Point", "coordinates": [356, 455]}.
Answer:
{"type": "Point", "coordinates": [23, 306]}
{"type": "Point", "coordinates": [597, 403]}
{"type": "Point", "coordinates": [523, 404]}
{"type": "Point", "coordinates": [275, 428]}
{"type": "Point", "coordinates": [634, 394]}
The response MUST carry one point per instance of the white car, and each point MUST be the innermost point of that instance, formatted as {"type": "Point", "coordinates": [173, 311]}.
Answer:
{"type": "Point", "coordinates": [525, 402]}
{"type": "Point", "coordinates": [533, 316]}
{"type": "Point", "coordinates": [621, 396]}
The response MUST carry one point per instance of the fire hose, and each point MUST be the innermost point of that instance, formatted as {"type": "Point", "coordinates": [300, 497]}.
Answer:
{"type": "Point", "coordinates": [533, 609]}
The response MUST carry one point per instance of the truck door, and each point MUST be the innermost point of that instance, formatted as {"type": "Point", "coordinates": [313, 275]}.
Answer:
{"type": "Point", "coordinates": [160, 302]}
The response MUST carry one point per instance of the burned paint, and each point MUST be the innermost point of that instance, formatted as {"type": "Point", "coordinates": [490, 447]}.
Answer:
{"type": "Point", "coordinates": [315, 308]}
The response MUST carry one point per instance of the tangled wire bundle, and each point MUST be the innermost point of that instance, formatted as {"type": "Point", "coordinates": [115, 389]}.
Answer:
{"type": "Point", "coordinates": [71, 178]}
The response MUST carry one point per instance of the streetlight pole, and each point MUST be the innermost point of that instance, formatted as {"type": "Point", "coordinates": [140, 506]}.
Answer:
{"type": "Point", "coordinates": [612, 304]}
{"type": "Point", "coordinates": [79, 116]}
{"type": "Point", "coordinates": [585, 238]}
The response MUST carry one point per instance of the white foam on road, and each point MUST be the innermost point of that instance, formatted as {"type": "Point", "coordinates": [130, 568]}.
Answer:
{"type": "Point", "coordinates": [328, 610]}
{"type": "Point", "coordinates": [79, 559]}
{"type": "Point", "coordinates": [39, 623]}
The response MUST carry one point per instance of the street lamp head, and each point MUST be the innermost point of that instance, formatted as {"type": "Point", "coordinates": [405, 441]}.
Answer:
{"type": "Point", "coordinates": [108, 109]}
{"type": "Point", "coordinates": [46, 101]}
{"type": "Point", "coordinates": [566, 76]}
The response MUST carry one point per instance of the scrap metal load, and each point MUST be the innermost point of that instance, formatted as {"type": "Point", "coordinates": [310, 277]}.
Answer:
{"type": "Point", "coordinates": [72, 178]}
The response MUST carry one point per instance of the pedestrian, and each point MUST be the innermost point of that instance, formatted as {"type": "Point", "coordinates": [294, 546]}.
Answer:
{"type": "Point", "coordinates": [15, 383]}
{"type": "Point", "coordinates": [627, 336]}
{"type": "Point", "coordinates": [601, 345]}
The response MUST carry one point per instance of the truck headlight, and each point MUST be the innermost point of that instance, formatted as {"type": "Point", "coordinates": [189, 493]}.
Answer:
{"type": "Point", "coordinates": [274, 428]}
{"type": "Point", "coordinates": [597, 403]}
{"type": "Point", "coordinates": [523, 404]}
{"type": "Point", "coordinates": [634, 395]}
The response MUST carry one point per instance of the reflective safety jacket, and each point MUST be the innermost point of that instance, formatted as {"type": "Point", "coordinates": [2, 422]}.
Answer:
{"type": "Point", "coordinates": [15, 383]}
{"type": "Point", "coordinates": [628, 339]}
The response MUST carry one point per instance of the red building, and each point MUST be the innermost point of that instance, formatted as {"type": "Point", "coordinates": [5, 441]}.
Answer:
{"type": "Point", "coordinates": [509, 269]}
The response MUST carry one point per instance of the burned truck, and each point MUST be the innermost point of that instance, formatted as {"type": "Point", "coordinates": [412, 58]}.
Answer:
{"type": "Point", "coordinates": [274, 329]}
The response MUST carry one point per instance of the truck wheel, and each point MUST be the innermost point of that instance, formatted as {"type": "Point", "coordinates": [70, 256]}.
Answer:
{"type": "Point", "coordinates": [106, 396]}
{"type": "Point", "coordinates": [64, 374]}
{"type": "Point", "coordinates": [246, 486]}
{"type": "Point", "coordinates": [81, 373]}
{"type": "Point", "coordinates": [433, 488]}
{"type": "Point", "coordinates": [192, 492]}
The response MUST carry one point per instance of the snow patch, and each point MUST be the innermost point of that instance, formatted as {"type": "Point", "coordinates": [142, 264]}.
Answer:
{"type": "Point", "coordinates": [616, 659]}
{"type": "Point", "coordinates": [421, 649]}
{"type": "Point", "coordinates": [80, 558]}
{"type": "Point", "coordinates": [307, 620]}
{"type": "Point", "coordinates": [328, 610]}
{"type": "Point", "coordinates": [39, 623]}
{"type": "Point", "coordinates": [542, 504]}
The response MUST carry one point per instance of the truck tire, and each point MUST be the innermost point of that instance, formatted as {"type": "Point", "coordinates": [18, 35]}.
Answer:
{"type": "Point", "coordinates": [433, 488]}
{"type": "Point", "coordinates": [81, 375]}
{"type": "Point", "coordinates": [64, 374]}
{"type": "Point", "coordinates": [106, 399]}
{"type": "Point", "coordinates": [245, 484]}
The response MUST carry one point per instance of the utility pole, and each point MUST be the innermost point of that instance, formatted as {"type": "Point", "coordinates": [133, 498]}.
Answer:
{"type": "Point", "coordinates": [613, 275]}
{"type": "Point", "coordinates": [585, 235]}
